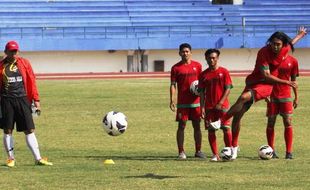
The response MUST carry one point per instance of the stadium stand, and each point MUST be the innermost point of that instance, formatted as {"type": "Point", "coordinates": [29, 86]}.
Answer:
{"type": "Point", "coordinates": [147, 24]}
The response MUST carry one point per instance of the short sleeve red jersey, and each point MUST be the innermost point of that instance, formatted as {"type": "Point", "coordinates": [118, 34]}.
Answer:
{"type": "Point", "coordinates": [287, 69]}
{"type": "Point", "coordinates": [183, 75]}
{"type": "Point", "coordinates": [267, 60]}
{"type": "Point", "coordinates": [215, 82]}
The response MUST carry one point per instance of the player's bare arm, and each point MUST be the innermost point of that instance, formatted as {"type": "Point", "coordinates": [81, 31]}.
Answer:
{"type": "Point", "coordinates": [295, 91]}
{"type": "Point", "coordinates": [295, 101]}
{"type": "Point", "coordinates": [224, 97]}
{"type": "Point", "coordinates": [273, 79]}
{"type": "Point", "coordinates": [202, 103]}
{"type": "Point", "coordinates": [300, 34]}
{"type": "Point", "coordinates": [172, 96]}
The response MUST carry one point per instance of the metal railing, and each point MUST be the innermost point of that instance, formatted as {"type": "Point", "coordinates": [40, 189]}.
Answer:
{"type": "Point", "coordinates": [143, 31]}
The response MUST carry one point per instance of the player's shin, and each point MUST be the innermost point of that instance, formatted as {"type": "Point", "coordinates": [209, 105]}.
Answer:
{"type": "Point", "coordinates": [8, 143]}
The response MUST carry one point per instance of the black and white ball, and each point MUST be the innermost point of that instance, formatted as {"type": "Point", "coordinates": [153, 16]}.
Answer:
{"type": "Point", "coordinates": [226, 154]}
{"type": "Point", "coordinates": [194, 88]}
{"type": "Point", "coordinates": [265, 152]}
{"type": "Point", "coordinates": [114, 123]}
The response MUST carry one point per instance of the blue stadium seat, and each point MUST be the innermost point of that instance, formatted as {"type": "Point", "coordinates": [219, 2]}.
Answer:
{"type": "Point", "coordinates": [76, 22]}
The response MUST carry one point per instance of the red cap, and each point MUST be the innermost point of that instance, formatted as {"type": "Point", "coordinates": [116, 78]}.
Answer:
{"type": "Point", "coordinates": [11, 45]}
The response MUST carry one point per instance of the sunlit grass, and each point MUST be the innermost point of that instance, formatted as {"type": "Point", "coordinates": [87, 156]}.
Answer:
{"type": "Point", "coordinates": [70, 134]}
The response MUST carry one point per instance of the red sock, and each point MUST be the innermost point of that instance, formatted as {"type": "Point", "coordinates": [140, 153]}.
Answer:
{"type": "Point", "coordinates": [181, 149]}
{"type": "Point", "coordinates": [198, 147]}
{"type": "Point", "coordinates": [288, 136]}
{"type": "Point", "coordinates": [212, 142]}
{"type": "Point", "coordinates": [270, 136]}
{"type": "Point", "coordinates": [227, 137]}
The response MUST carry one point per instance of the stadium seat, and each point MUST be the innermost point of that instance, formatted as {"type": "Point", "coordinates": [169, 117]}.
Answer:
{"type": "Point", "coordinates": [115, 20]}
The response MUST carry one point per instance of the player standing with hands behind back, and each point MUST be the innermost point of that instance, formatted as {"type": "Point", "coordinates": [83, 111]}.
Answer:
{"type": "Point", "coordinates": [187, 105]}
{"type": "Point", "coordinates": [18, 89]}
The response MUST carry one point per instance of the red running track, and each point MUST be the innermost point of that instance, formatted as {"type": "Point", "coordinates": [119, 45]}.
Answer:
{"type": "Point", "coordinates": [120, 75]}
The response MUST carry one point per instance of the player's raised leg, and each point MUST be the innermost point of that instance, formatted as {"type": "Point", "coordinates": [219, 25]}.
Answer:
{"type": "Point", "coordinates": [235, 108]}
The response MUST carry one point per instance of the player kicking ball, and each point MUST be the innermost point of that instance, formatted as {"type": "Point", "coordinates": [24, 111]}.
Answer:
{"type": "Point", "coordinates": [259, 83]}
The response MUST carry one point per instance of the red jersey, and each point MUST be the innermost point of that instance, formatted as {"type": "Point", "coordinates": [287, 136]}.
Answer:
{"type": "Point", "coordinates": [265, 60]}
{"type": "Point", "coordinates": [287, 69]}
{"type": "Point", "coordinates": [183, 75]}
{"type": "Point", "coordinates": [215, 82]}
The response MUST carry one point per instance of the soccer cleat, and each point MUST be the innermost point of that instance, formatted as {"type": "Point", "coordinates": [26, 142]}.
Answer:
{"type": "Point", "coordinates": [43, 162]}
{"type": "Point", "coordinates": [182, 156]}
{"type": "Point", "coordinates": [200, 154]}
{"type": "Point", "coordinates": [235, 152]}
{"type": "Point", "coordinates": [10, 163]}
{"type": "Point", "coordinates": [274, 155]}
{"type": "Point", "coordinates": [215, 158]}
{"type": "Point", "coordinates": [216, 124]}
{"type": "Point", "coordinates": [289, 155]}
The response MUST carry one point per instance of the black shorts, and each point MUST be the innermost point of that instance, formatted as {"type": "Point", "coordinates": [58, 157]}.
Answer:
{"type": "Point", "coordinates": [16, 110]}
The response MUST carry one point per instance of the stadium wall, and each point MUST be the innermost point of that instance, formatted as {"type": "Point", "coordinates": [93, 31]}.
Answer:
{"type": "Point", "coordinates": [104, 61]}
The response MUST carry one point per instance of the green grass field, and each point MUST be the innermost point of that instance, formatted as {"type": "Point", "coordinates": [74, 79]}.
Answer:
{"type": "Point", "coordinates": [70, 134]}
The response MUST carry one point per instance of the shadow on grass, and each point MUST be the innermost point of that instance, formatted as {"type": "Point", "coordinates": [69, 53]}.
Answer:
{"type": "Point", "coordinates": [250, 157]}
{"type": "Point", "coordinates": [140, 157]}
{"type": "Point", "coordinates": [152, 176]}
{"type": "Point", "coordinates": [155, 158]}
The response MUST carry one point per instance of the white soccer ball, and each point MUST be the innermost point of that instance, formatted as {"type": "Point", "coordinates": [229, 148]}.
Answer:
{"type": "Point", "coordinates": [114, 123]}
{"type": "Point", "coordinates": [194, 88]}
{"type": "Point", "coordinates": [226, 153]}
{"type": "Point", "coordinates": [265, 152]}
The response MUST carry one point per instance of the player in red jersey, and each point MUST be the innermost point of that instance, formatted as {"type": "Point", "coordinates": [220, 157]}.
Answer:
{"type": "Point", "coordinates": [214, 85]}
{"type": "Point", "coordinates": [281, 102]}
{"type": "Point", "coordinates": [187, 105]}
{"type": "Point", "coordinates": [260, 82]}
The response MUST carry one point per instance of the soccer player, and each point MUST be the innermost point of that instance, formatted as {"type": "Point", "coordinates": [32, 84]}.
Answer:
{"type": "Point", "coordinates": [187, 106]}
{"type": "Point", "coordinates": [18, 90]}
{"type": "Point", "coordinates": [260, 82]}
{"type": "Point", "coordinates": [214, 85]}
{"type": "Point", "coordinates": [281, 102]}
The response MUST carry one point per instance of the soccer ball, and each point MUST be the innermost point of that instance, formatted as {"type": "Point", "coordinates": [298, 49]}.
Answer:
{"type": "Point", "coordinates": [265, 152]}
{"type": "Point", "coordinates": [226, 153]}
{"type": "Point", "coordinates": [114, 123]}
{"type": "Point", "coordinates": [194, 88]}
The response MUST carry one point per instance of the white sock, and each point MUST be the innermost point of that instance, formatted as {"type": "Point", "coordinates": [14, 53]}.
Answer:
{"type": "Point", "coordinates": [33, 145]}
{"type": "Point", "coordinates": [8, 144]}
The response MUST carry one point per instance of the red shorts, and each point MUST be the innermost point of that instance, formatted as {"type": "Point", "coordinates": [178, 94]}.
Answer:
{"type": "Point", "coordinates": [214, 115]}
{"type": "Point", "coordinates": [184, 114]}
{"type": "Point", "coordinates": [259, 91]}
{"type": "Point", "coordinates": [282, 108]}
